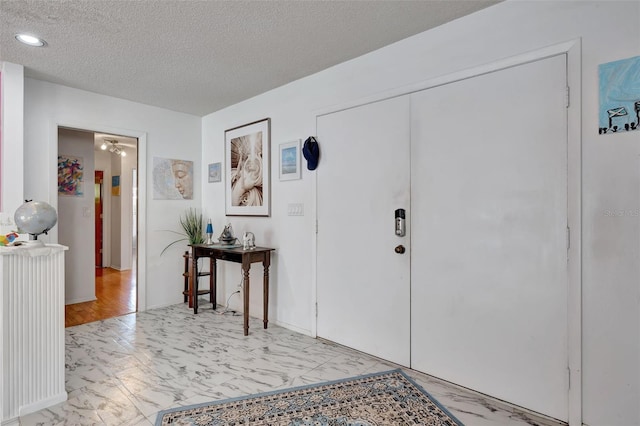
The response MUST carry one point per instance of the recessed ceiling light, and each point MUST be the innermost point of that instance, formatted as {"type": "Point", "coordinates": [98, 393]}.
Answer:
{"type": "Point", "coordinates": [30, 40]}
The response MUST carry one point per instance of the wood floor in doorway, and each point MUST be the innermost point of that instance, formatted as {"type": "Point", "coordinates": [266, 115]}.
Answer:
{"type": "Point", "coordinates": [115, 293]}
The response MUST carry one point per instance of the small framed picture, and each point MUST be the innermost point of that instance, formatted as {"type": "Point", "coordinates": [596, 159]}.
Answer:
{"type": "Point", "coordinates": [215, 172]}
{"type": "Point", "coordinates": [290, 160]}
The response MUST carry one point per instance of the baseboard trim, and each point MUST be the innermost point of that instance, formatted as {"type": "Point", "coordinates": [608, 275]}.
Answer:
{"type": "Point", "coordinates": [44, 403]}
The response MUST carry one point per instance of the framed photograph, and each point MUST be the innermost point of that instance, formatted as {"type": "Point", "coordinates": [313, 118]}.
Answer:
{"type": "Point", "coordinates": [247, 185]}
{"type": "Point", "coordinates": [290, 160]}
{"type": "Point", "coordinates": [215, 172]}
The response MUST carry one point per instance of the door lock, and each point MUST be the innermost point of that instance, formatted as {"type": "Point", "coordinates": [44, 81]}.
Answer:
{"type": "Point", "coordinates": [400, 249]}
{"type": "Point", "coordinates": [400, 226]}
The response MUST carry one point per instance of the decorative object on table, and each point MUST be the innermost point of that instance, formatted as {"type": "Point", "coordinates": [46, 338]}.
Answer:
{"type": "Point", "coordinates": [70, 175]}
{"type": "Point", "coordinates": [388, 398]}
{"type": "Point", "coordinates": [192, 226]}
{"type": "Point", "coordinates": [248, 241]}
{"type": "Point", "coordinates": [619, 96]}
{"type": "Point", "coordinates": [35, 218]}
{"type": "Point", "coordinates": [209, 232]}
{"type": "Point", "coordinates": [215, 172]}
{"type": "Point", "coordinates": [172, 179]}
{"type": "Point", "coordinates": [5, 240]}
{"type": "Point", "coordinates": [311, 151]}
{"type": "Point", "coordinates": [226, 237]}
{"type": "Point", "coordinates": [290, 160]}
{"type": "Point", "coordinates": [247, 185]}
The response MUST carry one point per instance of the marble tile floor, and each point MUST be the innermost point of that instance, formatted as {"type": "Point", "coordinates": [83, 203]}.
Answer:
{"type": "Point", "coordinates": [123, 370]}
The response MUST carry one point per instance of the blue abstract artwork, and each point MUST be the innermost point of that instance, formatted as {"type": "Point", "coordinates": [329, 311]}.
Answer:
{"type": "Point", "coordinates": [619, 96]}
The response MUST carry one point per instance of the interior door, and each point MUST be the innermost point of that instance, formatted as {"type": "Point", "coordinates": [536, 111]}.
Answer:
{"type": "Point", "coordinates": [362, 283]}
{"type": "Point", "coordinates": [489, 244]}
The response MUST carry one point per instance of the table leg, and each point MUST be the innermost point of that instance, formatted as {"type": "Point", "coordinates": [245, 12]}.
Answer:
{"type": "Point", "coordinates": [194, 283]}
{"type": "Point", "coordinates": [245, 271]}
{"type": "Point", "coordinates": [190, 292]}
{"type": "Point", "coordinates": [187, 272]}
{"type": "Point", "coordinates": [214, 281]}
{"type": "Point", "coordinates": [265, 288]}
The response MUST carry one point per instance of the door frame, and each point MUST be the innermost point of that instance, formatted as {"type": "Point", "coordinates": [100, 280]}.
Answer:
{"type": "Point", "coordinates": [141, 258]}
{"type": "Point", "coordinates": [572, 49]}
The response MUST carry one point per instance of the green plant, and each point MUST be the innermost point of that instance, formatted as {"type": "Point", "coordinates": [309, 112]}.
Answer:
{"type": "Point", "coordinates": [193, 228]}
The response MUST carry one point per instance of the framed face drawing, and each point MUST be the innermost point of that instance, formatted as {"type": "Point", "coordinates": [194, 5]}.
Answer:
{"type": "Point", "coordinates": [172, 179]}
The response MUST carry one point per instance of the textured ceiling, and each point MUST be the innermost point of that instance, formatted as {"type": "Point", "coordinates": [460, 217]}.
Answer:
{"type": "Point", "coordinates": [200, 56]}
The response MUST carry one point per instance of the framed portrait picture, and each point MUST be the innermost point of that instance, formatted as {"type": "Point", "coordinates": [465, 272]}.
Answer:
{"type": "Point", "coordinates": [247, 185]}
{"type": "Point", "coordinates": [172, 179]}
{"type": "Point", "coordinates": [290, 160]}
{"type": "Point", "coordinates": [215, 172]}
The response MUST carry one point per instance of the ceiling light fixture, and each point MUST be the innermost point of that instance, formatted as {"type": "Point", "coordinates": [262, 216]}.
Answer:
{"type": "Point", "coordinates": [103, 146]}
{"type": "Point", "coordinates": [30, 40]}
{"type": "Point", "coordinates": [117, 150]}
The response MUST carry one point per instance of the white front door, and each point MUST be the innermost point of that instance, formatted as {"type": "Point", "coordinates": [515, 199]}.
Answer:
{"type": "Point", "coordinates": [489, 234]}
{"type": "Point", "coordinates": [363, 177]}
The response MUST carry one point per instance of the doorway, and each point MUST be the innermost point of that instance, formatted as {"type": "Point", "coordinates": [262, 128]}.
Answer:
{"type": "Point", "coordinates": [109, 164]}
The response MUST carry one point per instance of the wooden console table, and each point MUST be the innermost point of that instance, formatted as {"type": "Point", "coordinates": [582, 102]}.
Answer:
{"type": "Point", "coordinates": [238, 255]}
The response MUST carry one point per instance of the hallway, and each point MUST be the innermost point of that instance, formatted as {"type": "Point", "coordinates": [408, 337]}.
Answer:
{"type": "Point", "coordinates": [115, 293]}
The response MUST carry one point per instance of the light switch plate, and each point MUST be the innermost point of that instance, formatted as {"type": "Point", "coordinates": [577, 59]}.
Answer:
{"type": "Point", "coordinates": [295, 209]}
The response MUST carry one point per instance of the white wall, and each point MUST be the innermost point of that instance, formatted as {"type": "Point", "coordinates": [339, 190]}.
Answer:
{"type": "Point", "coordinates": [76, 220]}
{"type": "Point", "coordinates": [608, 31]}
{"type": "Point", "coordinates": [128, 164]}
{"type": "Point", "coordinates": [116, 216]}
{"type": "Point", "coordinates": [12, 110]}
{"type": "Point", "coordinates": [164, 134]}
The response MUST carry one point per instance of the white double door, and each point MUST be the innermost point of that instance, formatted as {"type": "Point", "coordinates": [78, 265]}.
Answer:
{"type": "Point", "coordinates": [479, 297]}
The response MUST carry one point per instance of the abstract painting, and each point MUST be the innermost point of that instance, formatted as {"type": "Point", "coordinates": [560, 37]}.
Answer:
{"type": "Point", "coordinates": [619, 96]}
{"type": "Point", "coordinates": [115, 185]}
{"type": "Point", "coordinates": [70, 175]}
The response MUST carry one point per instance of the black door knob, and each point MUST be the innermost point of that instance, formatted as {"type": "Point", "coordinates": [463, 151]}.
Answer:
{"type": "Point", "coordinates": [400, 249]}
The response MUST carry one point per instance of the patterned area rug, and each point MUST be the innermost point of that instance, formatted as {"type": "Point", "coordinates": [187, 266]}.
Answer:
{"type": "Point", "coordinates": [389, 398]}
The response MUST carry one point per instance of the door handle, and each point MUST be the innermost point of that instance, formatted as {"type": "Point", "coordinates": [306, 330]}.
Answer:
{"type": "Point", "coordinates": [400, 249]}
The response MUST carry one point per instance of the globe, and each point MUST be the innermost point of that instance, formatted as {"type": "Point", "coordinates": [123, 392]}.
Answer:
{"type": "Point", "coordinates": [35, 218]}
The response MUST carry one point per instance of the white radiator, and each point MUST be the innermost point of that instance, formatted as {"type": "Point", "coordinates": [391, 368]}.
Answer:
{"type": "Point", "coordinates": [32, 329]}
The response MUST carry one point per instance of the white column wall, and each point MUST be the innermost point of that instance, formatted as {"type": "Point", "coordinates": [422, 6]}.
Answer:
{"type": "Point", "coordinates": [608, 31]}
{"type": "Point", "coordinates": [12, 168]}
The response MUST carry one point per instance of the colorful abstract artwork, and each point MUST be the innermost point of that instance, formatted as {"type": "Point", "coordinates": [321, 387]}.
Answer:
{"type": "Point", "coordinates": [70, 175]}
{"type": "Point", "coordinates": [619, 96]}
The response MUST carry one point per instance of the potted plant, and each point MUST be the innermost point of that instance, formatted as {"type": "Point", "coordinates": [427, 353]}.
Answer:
{"type": "Point", "coordinates": [193, 228]}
